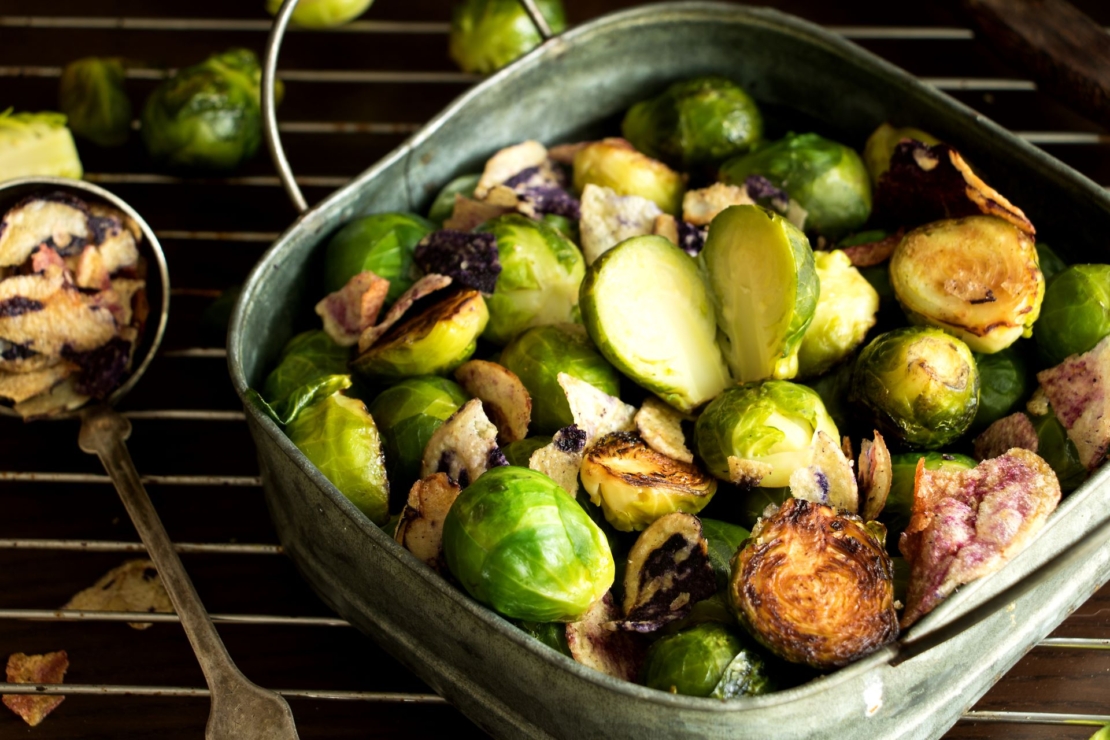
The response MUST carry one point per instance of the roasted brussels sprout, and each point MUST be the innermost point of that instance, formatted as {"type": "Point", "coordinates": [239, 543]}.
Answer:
{"type": "Point", "coordinates": [615, 164]}
{"type": "Point", "coordinates": [488, 34]}
{"type": "Point", "coordinates": [519, 453]}
{"type": "Point", "coordinates": [724, 540]}
{"type": "Point", "coordinates": [540, 275]}
{"type": "Point", "coordinates": [880, 147]}
{"type": "Point", "coordinates": [518, 543]}
{"type": "Point", "coordinates": [444, 204]}
{"type": "Point", "coordinates": [646, 306]}
{"type": "Point", "coordinates": [764, 287]}
{"type": "Point", "coordinates": [976, 278]}
{"type": "Point", "coordinates": [538, 355]}
{"type": "Point", "coordinates": [833, 387]}
{"type": "Point", "coordinates": [406, 415]}
{"type": "Point", "coordinates": [771, 422]}
{"type": "Point", "coordinates": [1003, 383]}
{"type": "Point", "coordinates": [899, 503]}
{"type": "Point", "coordinates": [1050, 263]}
{"type": "Point", "coordinates": [815, 587]}
{"type": "Point", "coordinates": [1075, 315]}
{"type": "Point", "coordinates": [37, 144]}
{"type": "Point", "coordinates": [920, 384]}
{"type": "Point", "coordinates": [827, 179]}
{"type": "Point", "coordinates": [206, 117]}
{"type": "Point", "coordinates": [382, 243]}
{"type": "Point", "coordinates": [702, 121]}
{"type": "Point", "coordinates": [322, 13]}
{"type": "Point", "coordinates": [552, 634]}
{"type": "Point", "coordinates": [694, 662]}
{"type": "Point", "coordinates": [846, 310]}
{"type": "Point", "coordinates": [433, 342]}
{"type": "Point", "coordinates": [92, 97]}
{"type": "Point", "coordinates": [340, 438]}
{"type": "Point", "coordinates": [307, 362]}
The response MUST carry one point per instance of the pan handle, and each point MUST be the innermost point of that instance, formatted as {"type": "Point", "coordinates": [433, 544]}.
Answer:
{"type": "Point", "coordinates": [269, 105]}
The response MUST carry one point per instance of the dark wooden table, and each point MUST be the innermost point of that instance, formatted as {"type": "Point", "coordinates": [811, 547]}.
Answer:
{"type": "Point", "coordinates": [61, 530]}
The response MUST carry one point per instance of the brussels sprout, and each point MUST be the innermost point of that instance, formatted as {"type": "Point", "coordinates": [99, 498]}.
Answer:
{"type": "Point", "coordinates": [540, 275]}
{"type": "Point", "coordinates": [755, 500]}
{"type": "Point", "coordinates": [1102, 734]}
{"type": "Point", "coordinates": [538, 355]}
{"type": "Point", "coordinates": [691, 662]}
{"type": "Point", "coordinates": [833, 387]}
{"type": "Point", "coordinates": [382, 243]}
{"type": "Point", "coordinates": [771, 422]}
{"type": "Point", "coordinates": [880, 147]}
{"type": "Point", "coordinates": [746, 675]}
{"type": "Point", "coordinates": [1003, 382]}
{"type": "Point", "coordinates": [520, 453]}
{"type": "Point", "coordinates": [433, 342]}
{"type": "Point", "coordinates": [826, 178]}
{"type": "Point", "coordinates": [206, 117]}
{"type": "Point", "coordinates": [899, 502]}
{"type": "Point", "coordinates": [920, 384]}
{"type": "Point", "coordinates": [1050, 263]}
{"type": "Point", "coordinates": [444, 204]}
{"type": "Point", "coordinates": [339, 437]}
{"type": "Point", "coordinates": [322, 13]}
{"type": "Point", "coordinates": [724, 540]}
{"type": "Point", "coordinates": [518, 543]}
{"type": "Point", "coordinates": [552, 634]}
{"type": "Point", "coordinates": [92, 97]}
{"type": "Point", "coordinates": [406, 415]}
{"type": "Point", "coordinates": [308, 360]}
{"type": "Point", "coordinates": [646, 306]}
{"type": "Point", "coordinates": [615, 164]}
{"type": "Point", "coordinates": [1075, 315]}
{"type": "Point", "coordinates": [701, 121]}
{"type": "Point", "coordinates": [488, 34]}
{"type": "Point", "coordinates": [976, 278]}
{"type": "Point", "coordinates": [765, 290]}
{"type": "Point", "coordinates": [37, 144]}
{"type": "Point", "coordinates": [846, 309]}
{"type": "Point", "coordinates": [1057, 449]}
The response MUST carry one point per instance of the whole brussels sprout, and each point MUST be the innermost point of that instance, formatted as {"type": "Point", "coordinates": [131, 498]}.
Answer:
{"type": "Point", "coordinates": [322, 13]}
{"type": "Point", "coordinates": [520, 452]}
{"type": "Point", "coordinates": [1075, 315]}
{"type": "Point", "coordinates": [540, 275]}
{"type": "Point", "coordinates": [382, 243]}
{"type": "Point", "coordinates": [552, 634]}
{"type": "Point", "coordinates": [846, 309]}
{"type": "Point", "coordinates": [37, 144]}
{"type": "Point", "coordinates": [206, 117]}
{"type": "Point", "coordinates": [827, 179]}
{"type": "Point", "coordinates": [539, 354]}
{"type": "Point", "coordinates": [899, 502]}
{"type": "Point", "coordinates": [1003, 382]}
{"type": "Point", "coordinates": [406, 415]}
{"type": "Point", "coordinates": [444, 204]}
{"type": "Point", "coordinates": [921, 385]}
{"type": "Point", "coordinates": [92, 97]}
{"type": "Point", "coordinates": [880, 147]}
{"type": "Point", "coordinates": [520, 544]}
{"type": "Point", "coordinates": [772, 421]}
{"type": "Point", "coordinates": [694, 661]}
{"type": "Point", "coordinates": [339, 437]}
{"type": "Point", "coordinates": [696, 122]}
{"type": "Point", "coordinates": [615, 164]}
{"type": "Point", "coordinates": [308, 362]}
{"type": "Point", "coordinates": [488, 34]}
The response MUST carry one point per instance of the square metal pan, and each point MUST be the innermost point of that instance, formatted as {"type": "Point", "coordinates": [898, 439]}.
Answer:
{"type": "Point", "coordinates": [574, 87]}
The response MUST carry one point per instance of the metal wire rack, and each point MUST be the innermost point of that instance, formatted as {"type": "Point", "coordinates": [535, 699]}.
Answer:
{"type": "Point", "coordinates": [58, 516]}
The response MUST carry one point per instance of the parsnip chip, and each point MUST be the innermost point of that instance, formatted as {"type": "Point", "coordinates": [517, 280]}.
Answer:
{"type": "Point", "coordinates": [35, 669]}
{"type": "Point", "coordinates": [464, 446]}
{"type": "Point", "coordinates": [21, 386]}
{"type": "Point", "coordinates": [699, 207]}
{"type": "Point", "coordinates": [747, 473]}
{"type": "Point", "coordinates": [420, 530]}
{"type": "Point", "coordinates": [562, 459]}
{"type": "Point", "coordinates": [422, 288]}
{"type": "Point", "coordinates": [508, 162]}
{"type": "Point", "coordinates": [876, 473]}
{"type": "Point", "coordinates": [131, 587]}
{"type": "Point", "coordinates": [829, 480]}
{"type": "Point", "coordinates": [596, 412]}
{"type": "Point", "coordinates": [504, 397]}
{"type": "Point", "coordinates": [660, 426]}
{"type": "Point", "coordinates": [608, 219]}
{"type": "Point", "coordinates": [593, 643]}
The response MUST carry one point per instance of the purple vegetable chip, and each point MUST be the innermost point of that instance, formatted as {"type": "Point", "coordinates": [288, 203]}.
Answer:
{"type": "Point", "coordinates": [496, 458]}
{"type": "Point", "coordinates": [691, 238]}
{"type": "Point", "coordinates": [552, 200]}
{"type": "Point", "coordinates": [760, 188]}
{"type": "Point", "coordinates": [570, 439]}
{"type": "Point", "coordinates": [102, 369]}
{"type": "Point", "coordinates": [469, 259]}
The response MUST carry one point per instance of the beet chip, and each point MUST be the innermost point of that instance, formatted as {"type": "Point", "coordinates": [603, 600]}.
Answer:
{"type": "Point", "coordinates": [469, 259]}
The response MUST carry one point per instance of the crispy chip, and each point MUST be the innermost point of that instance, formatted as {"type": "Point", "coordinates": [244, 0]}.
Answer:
{"type": "Point", "coordinates": [508, 162]}
{"type": "Point", "coordinates": [829, 480]}
{"type": "Point", "coordinates": [660, 426]}
{"type": "Point", "coordinates": [58, 220]}
{"type": "Point", "coordinates": [562, 459]}
{"type": "Point", "coordinates": [592, 643]}
{"type": "Point", "coordinates": [1038, 403]}
{"type": "Point", "coordinates": [131, 587]}
{"type": "Point", "coordinates": [608, 219]}
{"type": "Point", "coordinates": [420, 530]}
{"type": "Point", "coordinates": [469, 213]}
{"type": "Point", "coordinates": [423, 287]}
{"type": "Point", "coordinates": [1015, 430]}
{"type": "Point", "coordinates": [874, 253]}
{"type": "Point", "coordinates": [699, 207]}
{"type": "Point", "coordinates": [464, 446]}
{"type": "Point", "coordinates": [596, 412]}
{"type": "Point", "coordinates": [1079, 391]}
{"type": "Point", "coordinates": [505, 399]}
{"type": "Point", "coordinates": [21, 386]}
{"type": "Point", "coordinates": [35, 669]}
{"type": "Point", "coordinates": [876, 474]}
{"type": "Point", "coordinates": [352, 309]}
{"type": "Point", "coordinates": [747, 473]}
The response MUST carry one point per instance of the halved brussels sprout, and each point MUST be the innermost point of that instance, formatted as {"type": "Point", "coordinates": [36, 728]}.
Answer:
{"type": "Point", "coordinates": [322, 13]}
{"type": "Point", "coordinates": [444, 204]}
{"type": "Point", "coordinates": [307, 361]}
{"type": "Point", "coordinates": [815, 587]}
{"type": "Point", "coordinates": [920, 384]}
{"type": "Point", "coordinates": [488, 34]}
{"type": "Point", "coordinates": [899, 503]}
{"type": "Point", "coordinates": [976, 278]}
{"type": "Point", "coordinates": [696, 122]}
{"type": "Point", "coordinates": [826, 178]}
{"type": "Point", "coordinates": [540, 275]}
{"type": "Point", "coordinates": [880, 147]}
{"type": "Point", "coordinates": [433, 342]}
{"type": "Point", "coordinates": [615, 164]}
{"type": "Point", "coordinates": [846, 310]}
{"type": "Point", "coordinates": [518, 543]}
{"type": "Point", "coordinates": [764, 287]}
{"type": "Point", "coordinates": [1075, 315]}
{"type": "Point", "coordinates": [37, 144]}
{"type": "Point", "coordinates": [340, 438]}
{"type": "Point", "coordinates": [646, 307]}
{"type": "Point", "coordinates": [538, 355]}
{"type": "Point", "coordinates": [1003, 383]}
{"type": "Point", "coordinates": [692, 662]}
{"type": "Point", "coordinates": [772, 422]}
{"type": "Point", "coordinates": [91, 95]}
{"type": "Point", "coordinates": [382, 243]}
{"type": "Point", "coordinates": [635, 485]}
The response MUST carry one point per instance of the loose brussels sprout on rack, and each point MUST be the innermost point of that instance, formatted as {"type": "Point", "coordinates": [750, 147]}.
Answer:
{"type": "Point", "coordinates": [880, 147]}
{"type": "Point", "coordinates": [382, 243]}
{"type": "Point", "coordinates": [540, 275]}
{"type": "Point", "coordinates": [1003, 383]}
{"type": "Point", "coordinates": [826, 178]}
{"type": "Point", "coordinates": [921, 385]}
{"type": "Point", "coordinates": [517, 542]}
{"type": "Point", "coordinates": [488, 34]}
{"type": "Point", "coordinates": [208, 116]}
{"type": "Point", "coordinates": [694, 662]}
{"type": "Point", "coordinates": [322, 13]}
{"type": "Point", "coordinates": [702, 121]}
{"type": "Point", "coordinates": [615, 164]}
{"type": "Point", "coordinates": [771, 422]}
{"type": "Point", "coordinates": [538, 355]}
{"type": "Point", "coordinates": [1075, 315]}
{"type": "Point", "coordinates": [37, 144]}
{"type": "Point", "coordinates": [92, 97]}
{"type": "Point", "coordinates": [899, 502]}
{"type": "Point", "coordinates": [846, 310]}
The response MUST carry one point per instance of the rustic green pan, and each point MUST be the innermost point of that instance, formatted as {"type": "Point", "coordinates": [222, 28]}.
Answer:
{"type": "Point", "coordinates": [576, 86]}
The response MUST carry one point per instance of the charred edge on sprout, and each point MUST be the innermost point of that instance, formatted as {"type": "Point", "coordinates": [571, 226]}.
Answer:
{"type": "Point", "coordinates": [668, 472]}
{"type": "Point", "coordinates": [424, 319]}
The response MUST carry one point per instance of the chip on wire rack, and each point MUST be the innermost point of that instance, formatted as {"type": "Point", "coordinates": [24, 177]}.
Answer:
{"type": "Point", "coordinates": [35, 669]}
{"type": "Point", "coordinates": [131, 587]}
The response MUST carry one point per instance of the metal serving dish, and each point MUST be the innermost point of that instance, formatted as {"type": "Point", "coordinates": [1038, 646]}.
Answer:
{"type": "Point", "coordinates": [574, 87]}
